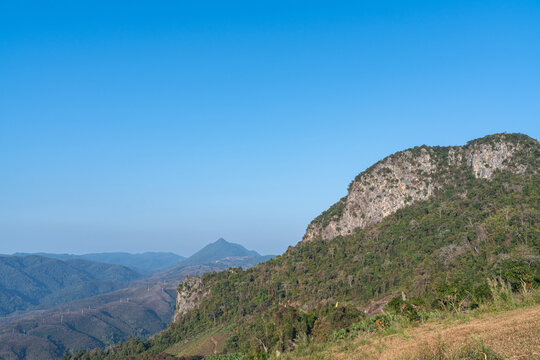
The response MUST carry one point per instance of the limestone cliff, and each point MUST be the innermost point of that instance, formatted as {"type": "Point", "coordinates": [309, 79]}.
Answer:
{"type": "Point", "coordinates": [189, 296]}
{"type": "Point", "coordinates": [415, 174]}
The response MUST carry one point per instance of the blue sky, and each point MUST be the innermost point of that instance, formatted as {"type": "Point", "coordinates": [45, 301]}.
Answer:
{"type": "Point", "coordinates": [163, 125]}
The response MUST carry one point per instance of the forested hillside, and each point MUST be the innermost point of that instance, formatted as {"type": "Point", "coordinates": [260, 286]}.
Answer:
{"type": "Point", "coordinates": [434, 252]}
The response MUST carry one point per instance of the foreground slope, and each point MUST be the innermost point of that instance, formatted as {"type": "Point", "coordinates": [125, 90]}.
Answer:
{"type": "Point", "coordinates": [500, 334]}
{"type": "Point", "coordinates": [465, 214]}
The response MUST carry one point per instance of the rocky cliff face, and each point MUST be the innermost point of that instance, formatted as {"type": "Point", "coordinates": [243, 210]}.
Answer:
{"type": "Point", "coordinates": [415, 174]}
{"type": "Point", "coordinates": [189, 296]}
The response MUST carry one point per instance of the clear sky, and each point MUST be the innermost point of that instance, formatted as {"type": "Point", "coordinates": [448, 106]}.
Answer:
{"type": "Point", "coordinates": [163, 125]}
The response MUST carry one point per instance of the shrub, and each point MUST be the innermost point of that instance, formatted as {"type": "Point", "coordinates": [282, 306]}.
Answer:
{"type": "Point", "coordinates": [501, 292]}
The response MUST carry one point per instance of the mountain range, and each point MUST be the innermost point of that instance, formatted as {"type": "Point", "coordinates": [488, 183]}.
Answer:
{"type": "Point", "coordinates": [144, 263]}
{"type": "Point", "coordinates": [72, 308]}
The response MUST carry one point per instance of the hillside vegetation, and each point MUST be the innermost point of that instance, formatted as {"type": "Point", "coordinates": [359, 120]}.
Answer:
{"type": "Point", "coordinates": [495, 331]}
{"type": "Point", "coordinates": [445, 252]}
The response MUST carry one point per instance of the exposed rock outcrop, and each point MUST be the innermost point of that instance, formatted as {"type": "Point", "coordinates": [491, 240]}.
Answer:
{"type": "Point", "coordinates": [414, 175]}
{"type": "Point", "coordinates": [189, 296]}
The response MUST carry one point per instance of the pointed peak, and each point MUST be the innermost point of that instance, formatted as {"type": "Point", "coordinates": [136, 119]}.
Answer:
{"type": "Point", "coordinates": [220, 249]}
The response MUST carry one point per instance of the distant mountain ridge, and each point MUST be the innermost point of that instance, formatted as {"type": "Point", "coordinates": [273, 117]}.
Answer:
{"type": "Point", "coordinates": [147, 262]}
{"type": "Point", "coordinates": [31, 281]}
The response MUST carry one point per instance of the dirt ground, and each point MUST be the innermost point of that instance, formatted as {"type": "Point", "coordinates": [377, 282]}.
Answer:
{"type": "Point", "coordinates": [513, 334]}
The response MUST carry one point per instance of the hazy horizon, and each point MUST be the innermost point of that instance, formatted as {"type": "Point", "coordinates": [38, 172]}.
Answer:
{"type": "Point", "coordinates": [135, 127]}
{"type": "Point", "coordinates": [136, 253]}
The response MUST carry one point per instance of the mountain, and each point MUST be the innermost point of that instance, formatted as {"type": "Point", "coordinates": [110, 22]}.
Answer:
{"type": "Point", "coordinates": [219, 255]}
{"type": "Point", "coordinates": [430, 224]}
{"type": "Point", "coordinates": [145, 263]}
{"type": "Point", "coordinates": [219, 250]}
{"type": "Point", "coordinates": [30, 281]}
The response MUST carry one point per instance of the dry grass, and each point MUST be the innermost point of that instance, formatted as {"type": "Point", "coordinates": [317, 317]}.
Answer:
{"type": "Point", "coordinates": [513, 334]}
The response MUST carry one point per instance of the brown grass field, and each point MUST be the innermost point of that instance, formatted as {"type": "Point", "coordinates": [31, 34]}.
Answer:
{"type": "Point", "coordinates": [513, 334]}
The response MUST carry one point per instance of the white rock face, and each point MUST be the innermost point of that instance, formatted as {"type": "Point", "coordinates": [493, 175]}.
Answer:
{"type": "Point", "coordinates": [189, 296]}
{"type": "Point", "coordinates": [407, 177]}
{"type": "Point", "coordinates": [485, 159]}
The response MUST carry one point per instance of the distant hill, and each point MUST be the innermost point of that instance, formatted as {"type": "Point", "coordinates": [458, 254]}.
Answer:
{"type": "Point", "coordinates": [30, 281]}
{"type": "Point", "coordinates": [218, 250]}
{"type": "Point", "coordinates": [146, 263]}
{"type": "Point", "coordinates": [219, 255]}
